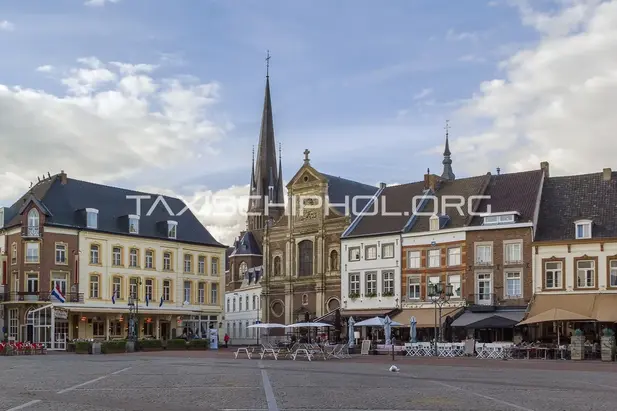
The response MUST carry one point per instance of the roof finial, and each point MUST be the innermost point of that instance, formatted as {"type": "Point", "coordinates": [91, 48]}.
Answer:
{"type": "Point", "coordinates": [280, 152]}
{"type": "Point", "coordinates": [268, 63]}
{"type": "Point", "coordinates": [498, 170]}
{"type": "Point", "coordinates": [253, 156]}
{"type": "Point", "coordinates": [306, 156]}
{"type": "Point", "coordinates": [428, 170]}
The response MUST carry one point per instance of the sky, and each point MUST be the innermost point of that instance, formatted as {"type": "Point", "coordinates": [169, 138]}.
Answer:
{"type": "Point", "coordinates": [166, 96]}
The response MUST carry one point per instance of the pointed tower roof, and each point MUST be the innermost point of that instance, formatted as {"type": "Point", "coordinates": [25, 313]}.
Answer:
{"type": "Point", "coordinates": [447, 174]}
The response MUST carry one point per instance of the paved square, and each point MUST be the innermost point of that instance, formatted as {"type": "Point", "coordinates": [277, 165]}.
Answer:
{"type": "Point", "coordinates": [215, 381]}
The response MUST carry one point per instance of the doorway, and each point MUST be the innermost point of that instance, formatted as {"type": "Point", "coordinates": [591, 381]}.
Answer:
{"type": "Point", "coordinates": [164, 330]}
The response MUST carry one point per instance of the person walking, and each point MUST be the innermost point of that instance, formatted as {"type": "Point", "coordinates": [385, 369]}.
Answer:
{"type": "Point", "coordinates": [226, 339]}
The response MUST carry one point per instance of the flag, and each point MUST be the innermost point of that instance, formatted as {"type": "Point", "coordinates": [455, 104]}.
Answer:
{"type": "Point", "coordinates": [147, 299]}
{"type": "Point", "coordinates": [58, 294]}
{"type": "Point", "coordinates": [113, 297]}
{"type": "Point", "coordinates": [161, 303]}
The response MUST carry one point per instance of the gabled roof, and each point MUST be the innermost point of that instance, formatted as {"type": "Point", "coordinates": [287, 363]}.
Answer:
{"type": "Point", "coordinates": [247, 245]}
{"type": "Point", "coordinates": [512, 192]}
{"type": "Point", "coordinates": [66, 204]}
{"type": "Point", "coordinates": [571, 198]}
{"type": "Point", "coordinates": [340, 188]}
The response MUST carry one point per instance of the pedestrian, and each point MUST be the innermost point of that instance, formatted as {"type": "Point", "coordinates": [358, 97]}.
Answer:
{"type": "Point", "coordinates": [226, 339]}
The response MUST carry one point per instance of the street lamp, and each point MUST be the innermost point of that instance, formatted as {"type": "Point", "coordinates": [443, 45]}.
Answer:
{"type": "Point", "coordinates": [439, 294]}
{"type": "Point", "coordinates": [133, 304]}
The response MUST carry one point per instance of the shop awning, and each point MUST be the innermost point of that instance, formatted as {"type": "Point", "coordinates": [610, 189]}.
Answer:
{"type": "Point", "coordinates": [555, 314]}
{"type": "Point", "coordinates": [76, 308]}
{"type": "Point", "coordinates": [366, 313]}
{"type": "Point", "coordinates": [600, 307]}
{"type": "Point", "coordinates": [425, 317]}
{"type": "Point", "coordinates": [495, 319]}
{"type": "Point", "coordinates": [605, 308]}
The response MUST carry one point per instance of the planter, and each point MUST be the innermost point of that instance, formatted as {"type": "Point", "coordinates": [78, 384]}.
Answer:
{"type": "Point", "coordinates": [577, 347]}
{"type": "Point", "coordinates": [607, 347]}
{"type": "Point", "coordinates": [82, 347]}
{"type": "Point", "coordinates": [130, 346]}
{"type": "Point", "coordinates": [95, 348]}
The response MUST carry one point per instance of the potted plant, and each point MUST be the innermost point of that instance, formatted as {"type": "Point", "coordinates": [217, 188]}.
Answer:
{"type": "Point", "coordinates": [354, 296]}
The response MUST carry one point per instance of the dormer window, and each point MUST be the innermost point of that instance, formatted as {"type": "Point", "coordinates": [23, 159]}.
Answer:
{"type": "Point", "coordinates": [500, 218]}
{"type": "Point", "coordinates": [133, 224]}
{"type": "Point", "coordinates": [172, 229]}
{"type": "Point", "coordinates": [583, 229]}
{"type": "Point", "coordinates": [434, 223]}
{"type": "Point", "coordinates": [92, 218]}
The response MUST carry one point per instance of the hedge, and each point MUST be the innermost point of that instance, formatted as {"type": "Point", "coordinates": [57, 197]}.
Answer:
{"type": "Point", "coordinates": [198, 344]}
{"type": "Point", "coordinates": [176, 344]}
{"type": "Point", "coordinates": [150, 345]}
{"type": "Point", "coordinates": [82, 347]}
{"type": "Point", "coordinates": [113, 347]}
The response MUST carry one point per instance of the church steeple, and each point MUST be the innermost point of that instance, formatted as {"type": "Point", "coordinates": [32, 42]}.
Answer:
{"type": "Point", "coordinates": [447, 174]}
{"type": "Point", "coordinates": [267, 175]}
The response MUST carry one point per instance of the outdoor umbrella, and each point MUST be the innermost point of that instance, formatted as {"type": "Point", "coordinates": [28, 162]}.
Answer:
{"type": "Point", "coordinates": [555, 314]}
{"type": "Point", "coordinates": [350, 332]}
{"type": "Point", "coordinates": [387, 329]}
{"type": "Point", "coordinates": [266, 325]}
{"type": "Point", "coordinates": [376, 322]}
{"type": "Point", "coordinates": [412, 330]}
{"type": "Point", "coordinates": [308, 325]}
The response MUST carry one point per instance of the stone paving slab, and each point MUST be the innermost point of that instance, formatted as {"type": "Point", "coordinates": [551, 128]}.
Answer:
{"type": "Point", "coordinates": [215, 381]}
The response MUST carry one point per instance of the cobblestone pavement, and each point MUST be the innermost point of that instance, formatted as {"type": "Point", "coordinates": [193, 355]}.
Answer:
{"type": "Point", "coordinates": [190, 381]}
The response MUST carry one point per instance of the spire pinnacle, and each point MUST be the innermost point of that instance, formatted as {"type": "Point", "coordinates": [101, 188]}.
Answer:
{"type": "Point", "coordinates": [447, 174]}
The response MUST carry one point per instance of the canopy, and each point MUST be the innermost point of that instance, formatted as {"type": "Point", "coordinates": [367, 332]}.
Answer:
{"type": "Point", "coordinates": [307, 325]}
{"type": "Point", "coordinates": [266, 325]}
{"type": "Point", "coordinates": [376, 322]}
{"type": "Point", "coordinates": [555, 314]}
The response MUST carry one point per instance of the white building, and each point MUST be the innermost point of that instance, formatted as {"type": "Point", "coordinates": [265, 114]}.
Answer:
{"type": "Point", "coordinates": [243, 308]}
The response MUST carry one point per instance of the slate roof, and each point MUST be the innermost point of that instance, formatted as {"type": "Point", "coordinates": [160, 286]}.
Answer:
{"type": "Point", "coordinates": [571, 198]}
{"type": "Point", "coordinates": [246, 245]}
{"type": "Point", "coordinates": [399, 199]}
{"type": "Point", "coordinates": [339, 188]}
{"type": "Point", "coordinates": [512, 192]}
{"type": "Point", "coordinates": [66, 204]}
{"type": "Point", "coordinates": [228, 252]}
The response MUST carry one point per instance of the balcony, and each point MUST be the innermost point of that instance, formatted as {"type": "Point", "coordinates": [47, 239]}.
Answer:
{"type": "Point", "coordinates": [33, 231]}
{"type": "Point", "coordinates": [39, 296]}
{"type": "Point", "coordinates": [482, 302]}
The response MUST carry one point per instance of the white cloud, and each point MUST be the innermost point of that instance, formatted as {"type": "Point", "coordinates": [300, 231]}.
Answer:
{"type": "Point", "coordinates": [6, 25]}
{"type": "Point", "coordinates": [112, 121]}
{"type": "Point", "coordinates": [99, 3]}
{"type": "Point", "coordinates": [423, 93]}
{"type": "Point", "coordinates": [556, 100]}
{"type": "Point", "coordinates": [45, 69]}
{"type": "Point", "coordinates": [453, 35]}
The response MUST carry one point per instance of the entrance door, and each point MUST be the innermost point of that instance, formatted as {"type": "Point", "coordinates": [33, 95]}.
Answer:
{"type": "Point", "coordinates": [30, 333]}
{"type": "Point", "coordinates": [164, 330]}
{"type": "Point", "coordinates": [484, 296]}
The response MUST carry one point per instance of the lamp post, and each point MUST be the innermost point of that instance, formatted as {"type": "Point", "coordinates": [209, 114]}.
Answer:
{"type": "Point", "coordinates": [134, 315]}
{"type": "Point", "coordinates": [439, 294]}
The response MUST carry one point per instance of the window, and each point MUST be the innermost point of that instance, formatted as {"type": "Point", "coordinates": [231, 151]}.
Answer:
{"type": "Point", "coordinates": [454, 256]}
{"type": "Point", "coordinates": [233, 301]}
{"type": "Point", "coordinates": [201, 264]}
{"type": "Point", "coordinates": [201, 293]}
{"type": "Point", "coordinates": [388, 283]}
{"type": "Point", "coordinates": [255, 302]}
{"type": "Point", "coordinates": [583, 229]}
{"type": "Point", "coordinates": [243, 269]}
{"type": "Point", "coordinates": [413, 288]}
{"type": "Point", "coordinates": [187, 292]}
{"type": "Point", "coordinates": [58, 280]}
{"type": "Point", "coordinates": [387, 251]}
{"type": "Point", "coordinates": [98, 328]}
{"type": "Point", "coordinates": [188, 260]}
{"type": "Point", "coordinates": [455, 281]}
{"type": "Point", "coordinates": [247, 302]}
{"type": "Point", "coordinates": [133, 224]}
{"type": "Point", "coordinates": [133, 257]}
{"type": "Point", "coordinates": [32, 283]}
{"type": "Point", "coordinates": [585, 274]}
{"type": "Point", "coordinates": [214, 293]}
{"type": "Point", "coordinates": [95, 254]}
{"type": "Point", "coordinates": [370, 252]}
{"type": "Point", "coordinates": [133, 287]}
{"type": "Point", "coordinates": [433, 258]}
{"type": "Point", "coordinates": [354, 285]}
{"type": "Point", "coordinates": [14, 254]}
{"type": "Point", "coordinates": [116, 256]}
{"type": "Point", "coordinates": [305, 255]}
{"type": "Point", "coordinates": [371, 284]}
{"type": "Point", "coordinates": [484, 288]}
{"type": "Point", "coordinates": [413, 259]}
{"type": "Point", "coordinates": [215, 265]}
{"type": "Point", "coordinates": [167, 261]}
{"type": "Point", "coordinates": [92, 218]}
{"type": "Point", "coordinates": [499, 219]}
{"type": "Point", "coordinates": [33, 223]}
{"type": "Point", "coordinates": [514, 285]}
{"type": "Point", "coordinates": [484, 254]}
{"type": "Point", "coordinates": [14, 323]}
{"type": "Point", "coordinates": [612, 273]}
{"type": "Point", "coordinates": [166, 290]}
{"type": "Point", "coordinates": [431, 281]}
{"type": "Point", "coordinates": [149, 259]}
{"type": "Point", "coordinates": [434, 223]}
{"type": "Point", "coordinates": [117, 287]}
{"type": "Point", "coordinates": [172, 229]}
{"type": "Point", "coordinates": [240, 304]}
{"type": "Point", "coordinates": [354, 254]}
{"type": "Point", "coordinates": [95, 286]}
{"type": "Point", "coordinates": [553, 275]}
{"type": "Point", "coordinates": [228, 304]}
{"type": "Point", "coordinates": [149, 289]}
{"type": "Point", "coordinates": [60, 253]}
{"type": "Point", "coordinates": [514, 253]}
{"type": "Point", "coordinates": [32, 252]}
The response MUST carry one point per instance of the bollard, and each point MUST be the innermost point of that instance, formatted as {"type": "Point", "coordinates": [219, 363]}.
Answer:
{"type": "Point", "coordinates": [392, 352]}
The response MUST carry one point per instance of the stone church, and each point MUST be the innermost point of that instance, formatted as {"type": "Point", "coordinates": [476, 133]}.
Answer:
{"type": "Point", "coordinates": [291, 250]}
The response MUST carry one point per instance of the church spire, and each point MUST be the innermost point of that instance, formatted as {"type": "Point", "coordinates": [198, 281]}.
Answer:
{"type": "Point", "coordinates": [447, 174]}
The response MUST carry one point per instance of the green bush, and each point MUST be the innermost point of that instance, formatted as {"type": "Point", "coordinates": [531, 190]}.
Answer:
{"type": "Point", "coordinates": [113, 347]}
{"type": "Point", "coordinates": [150, 345]}
{"type": "Point", "coordinates": [176, 344]}
{"type": "Point", "coordinates": [198, 344]}
{"type": "Point", "coordinates": [82, 347]}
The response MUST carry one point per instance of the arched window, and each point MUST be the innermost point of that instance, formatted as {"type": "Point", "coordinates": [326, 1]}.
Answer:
{"type": "Point", "coordinates": [305, 258]}
{"type": "Point", "coordinates": [277, 266]}
{"type": "Point", "coordinates": [243, 269]}
{"type": "Point", "coordinates": [33, 218]}
{"type": "Point", "coordinates": [334, 263]}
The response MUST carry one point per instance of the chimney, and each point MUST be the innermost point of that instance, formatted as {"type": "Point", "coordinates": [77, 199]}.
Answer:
{"type": "Point", "coordinates": [544, 167]}
{"type": "Point", "coordinates": [432, 182]}
{"type": "Point", "coordinates": [382, 185]}
{"type": "Point", "coordinates": [607, 174]}
{"type": "Point", "coordinates": [63, 177]}
{"type": "Point", "coordinates": [426, 179]}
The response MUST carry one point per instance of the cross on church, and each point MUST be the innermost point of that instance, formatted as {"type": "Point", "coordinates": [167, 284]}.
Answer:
{"type": "Point", "coordinates": [306, 155]}
{"type": "Point", "coordinates": [447, 127]}
{"type": "Point", "coordinates": [267, 62]}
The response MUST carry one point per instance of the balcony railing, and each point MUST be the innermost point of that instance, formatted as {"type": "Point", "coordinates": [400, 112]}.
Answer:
{"type": "Point", "coordinates": [40, 296]}
{"type": "Point", "coordinates": [33, 231]}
